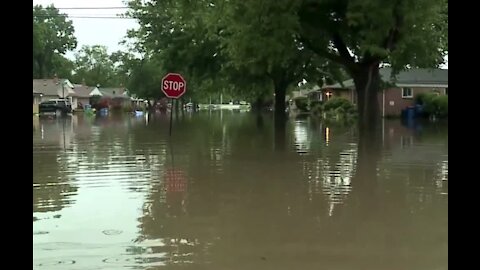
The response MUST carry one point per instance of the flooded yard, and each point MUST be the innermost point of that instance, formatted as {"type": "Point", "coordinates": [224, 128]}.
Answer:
{"type": "Point", "coordinates": [227, 191]}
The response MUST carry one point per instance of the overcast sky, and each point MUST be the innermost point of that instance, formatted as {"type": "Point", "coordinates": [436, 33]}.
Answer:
{"type": "Point", "coordinates": [89, 31]}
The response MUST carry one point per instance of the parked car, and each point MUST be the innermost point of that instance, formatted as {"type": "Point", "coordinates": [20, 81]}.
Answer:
{"type": "Point", "coordinates": [57, 106]}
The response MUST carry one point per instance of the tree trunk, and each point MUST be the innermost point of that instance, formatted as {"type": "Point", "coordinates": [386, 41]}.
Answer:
{"type": "Point", "coordinates": [279, 106]}
{"type": "Point", "coordinates": [279, 134]}
{"type": "Point", "coordinates": [182, 107]}
{"type": "Point", "coordinates": [280, 116]}
{"type": "Point", "coordinates": [150, 106]}
{"type": "Point", "coordinates": [259, 121]}
{"type": "Point", "coordinates": [258, 104]}
{"type": "Point", "coordinates": [367, 86]}
{"type": "Point", "coordinates": [368, 156]}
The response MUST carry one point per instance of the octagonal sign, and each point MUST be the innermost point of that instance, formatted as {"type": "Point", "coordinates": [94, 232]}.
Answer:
{"type": "Point", "coordinates": [173, 85]}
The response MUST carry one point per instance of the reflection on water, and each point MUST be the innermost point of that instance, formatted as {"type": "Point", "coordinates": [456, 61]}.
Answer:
{"type": "Point", "coordinates": [114, 193]}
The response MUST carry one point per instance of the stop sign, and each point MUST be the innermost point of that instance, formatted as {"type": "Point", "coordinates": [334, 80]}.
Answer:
{"type": "Point", "coordinates": [173, 85]}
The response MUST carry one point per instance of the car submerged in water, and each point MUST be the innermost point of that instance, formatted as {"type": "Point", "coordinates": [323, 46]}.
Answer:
{"type": "Point", "coordinates": [55, 106]}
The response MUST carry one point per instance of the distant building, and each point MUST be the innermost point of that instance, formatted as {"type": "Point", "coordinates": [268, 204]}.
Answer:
{"type": "Point", "coordinates": [113, 97]}
{"type": "Point", "coordinates": [392, 100]}
{"type": "Point", "coordinates": [47, 89]}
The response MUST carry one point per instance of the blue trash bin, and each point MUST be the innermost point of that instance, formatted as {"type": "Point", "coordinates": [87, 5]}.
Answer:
{"type": "Point", "coordinates": [410, 112]}
{"type": "Point", "coordinates": [103, 111]}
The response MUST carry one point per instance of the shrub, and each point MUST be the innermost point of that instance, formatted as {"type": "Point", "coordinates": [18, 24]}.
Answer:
{"type": "Point", "coordinates": [301, 103]}
{"type": "Point", "coordinates": [434, 104]}
{"type": "Point", "coordinates": [335, 103]}
{"type": "Point", "coordinates": [338, 109]}
{"type": "Point", "coordinates": [441, 106]}
{"type": "Point", "coordinates": [94, 100]}
{"type": "Point", "coordinates": [420, 98]}
{"type": "Point", "coordinates": [101, 104]}
{"type": "Point", "coordinates": [316, 107]}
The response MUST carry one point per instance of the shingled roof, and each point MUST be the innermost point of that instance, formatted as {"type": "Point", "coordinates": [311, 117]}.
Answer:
{"type": "Point", "coordinates": [417, 76]}
{"type": "Point", "coordinates": [410, 77]}
{"type": "Point", "coordinates": [52, 87]}
{"type": "Point", "coordinates": [110, 92]}
{"type": "Point", "coordinates": [82, 91]}
{"type": "Point", "coordinates": [113, 92]}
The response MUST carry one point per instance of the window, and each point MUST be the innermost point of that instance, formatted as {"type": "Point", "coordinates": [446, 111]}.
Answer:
{"type": "Point", "coordinates": [407, 93]}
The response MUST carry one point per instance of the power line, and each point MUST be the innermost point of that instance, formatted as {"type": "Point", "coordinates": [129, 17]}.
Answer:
{"type": "Point", "coordinates": [91, 8]}
{"type": "Point", "coordinates": [100, 16]}
{"type": "Point", "coordinates": [69, 8]}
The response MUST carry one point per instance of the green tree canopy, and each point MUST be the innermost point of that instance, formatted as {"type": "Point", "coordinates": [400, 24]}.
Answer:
{"type": "Point", "coordinates": [94, 66]}
{"type": "Point", "coordinates": [361, 34]}
{"type": "Point", "coordinates": [53, 36]}
{"type": "Point", "coordinates": [287, 41]}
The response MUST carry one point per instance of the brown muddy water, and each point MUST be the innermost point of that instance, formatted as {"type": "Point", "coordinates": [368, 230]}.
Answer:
{"type": "Point", "coordinates": [227, 193]}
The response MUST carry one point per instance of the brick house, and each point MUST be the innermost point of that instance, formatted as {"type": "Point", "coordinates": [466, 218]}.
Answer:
{"type": "Point", "coordinates": [392, 100]}
{"type": "Point", "coordinates": [408, 85]}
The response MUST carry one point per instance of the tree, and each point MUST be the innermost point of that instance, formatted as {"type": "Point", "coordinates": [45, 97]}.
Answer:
{"type": "Point", "coordinates": [94, 66]}
{"type": "Point", "coordinates": [145, 78]}
{"type": "Point", "coordinates": [62, 66]}
{"type": "Point", "coordinates": [52, 38]}
{"type": "Point", "coordinates": [124, 63]}
{"type": "Point", "coordinates": [360, 35]}
{"type": "Point", "coordinates": [240, 46]}
{"type": "Point", "coordinates": [258, 37]}
{"type": "Point", "coordinates": [166, 32]}
{"type": "Point", "coordinates": [356, 35]}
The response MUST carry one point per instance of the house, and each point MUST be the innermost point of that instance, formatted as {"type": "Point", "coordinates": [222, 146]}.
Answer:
{"type": "Point", "coordinates": [304, 92]}
{"type": "Point", "coordinates": [343, 90]}
{"type": "Point", "coordinates": [408, 84]}
{"type": "Point", "coordinates": [37, 96]}
{"type": "Point", "coordinates": [113, 97]}
{"type": "Point", "coordinates": [392, 100]}
{"type": "Point", "coordinates": [55, 88]}
{"type": "Point", "coordinates": [82, 94]}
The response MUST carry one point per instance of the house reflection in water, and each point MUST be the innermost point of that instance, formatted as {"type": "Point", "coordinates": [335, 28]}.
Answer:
{"type": "Point", "coordinates": [410, 156]}
{"type": "Point", "coordinates": [54, 131]}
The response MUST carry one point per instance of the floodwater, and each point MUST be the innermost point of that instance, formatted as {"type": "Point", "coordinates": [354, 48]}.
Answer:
{"type": "Point", "coordinates": [225, 193]}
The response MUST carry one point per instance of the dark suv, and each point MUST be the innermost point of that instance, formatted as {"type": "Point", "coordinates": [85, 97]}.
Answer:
{"type": "Point", "coordinates": [57, 106]}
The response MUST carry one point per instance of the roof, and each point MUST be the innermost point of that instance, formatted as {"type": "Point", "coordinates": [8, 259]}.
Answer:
{"type": "Point", "coordinates": [82, 91]}
{"type": "Point", "coordinates": [112, 92]}
{"type": "Point", "coordinates": [52, 87]}
{"type": "Point", "coordinates": [95, 92]}
{"type": "Point", "coordinates": [411, 77]}
{"type": "Point", "coordinates": [417, 76]}
{"type": "Point", "coordinates": [348, 84]}
{"type": "Point", "coordinates": [116, 92]}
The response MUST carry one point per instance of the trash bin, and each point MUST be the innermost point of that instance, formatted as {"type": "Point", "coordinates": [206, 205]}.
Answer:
{"type": "Point", "coordinates": [410, 112]}
{"type": "Point", "coordinates": [104, 111]}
